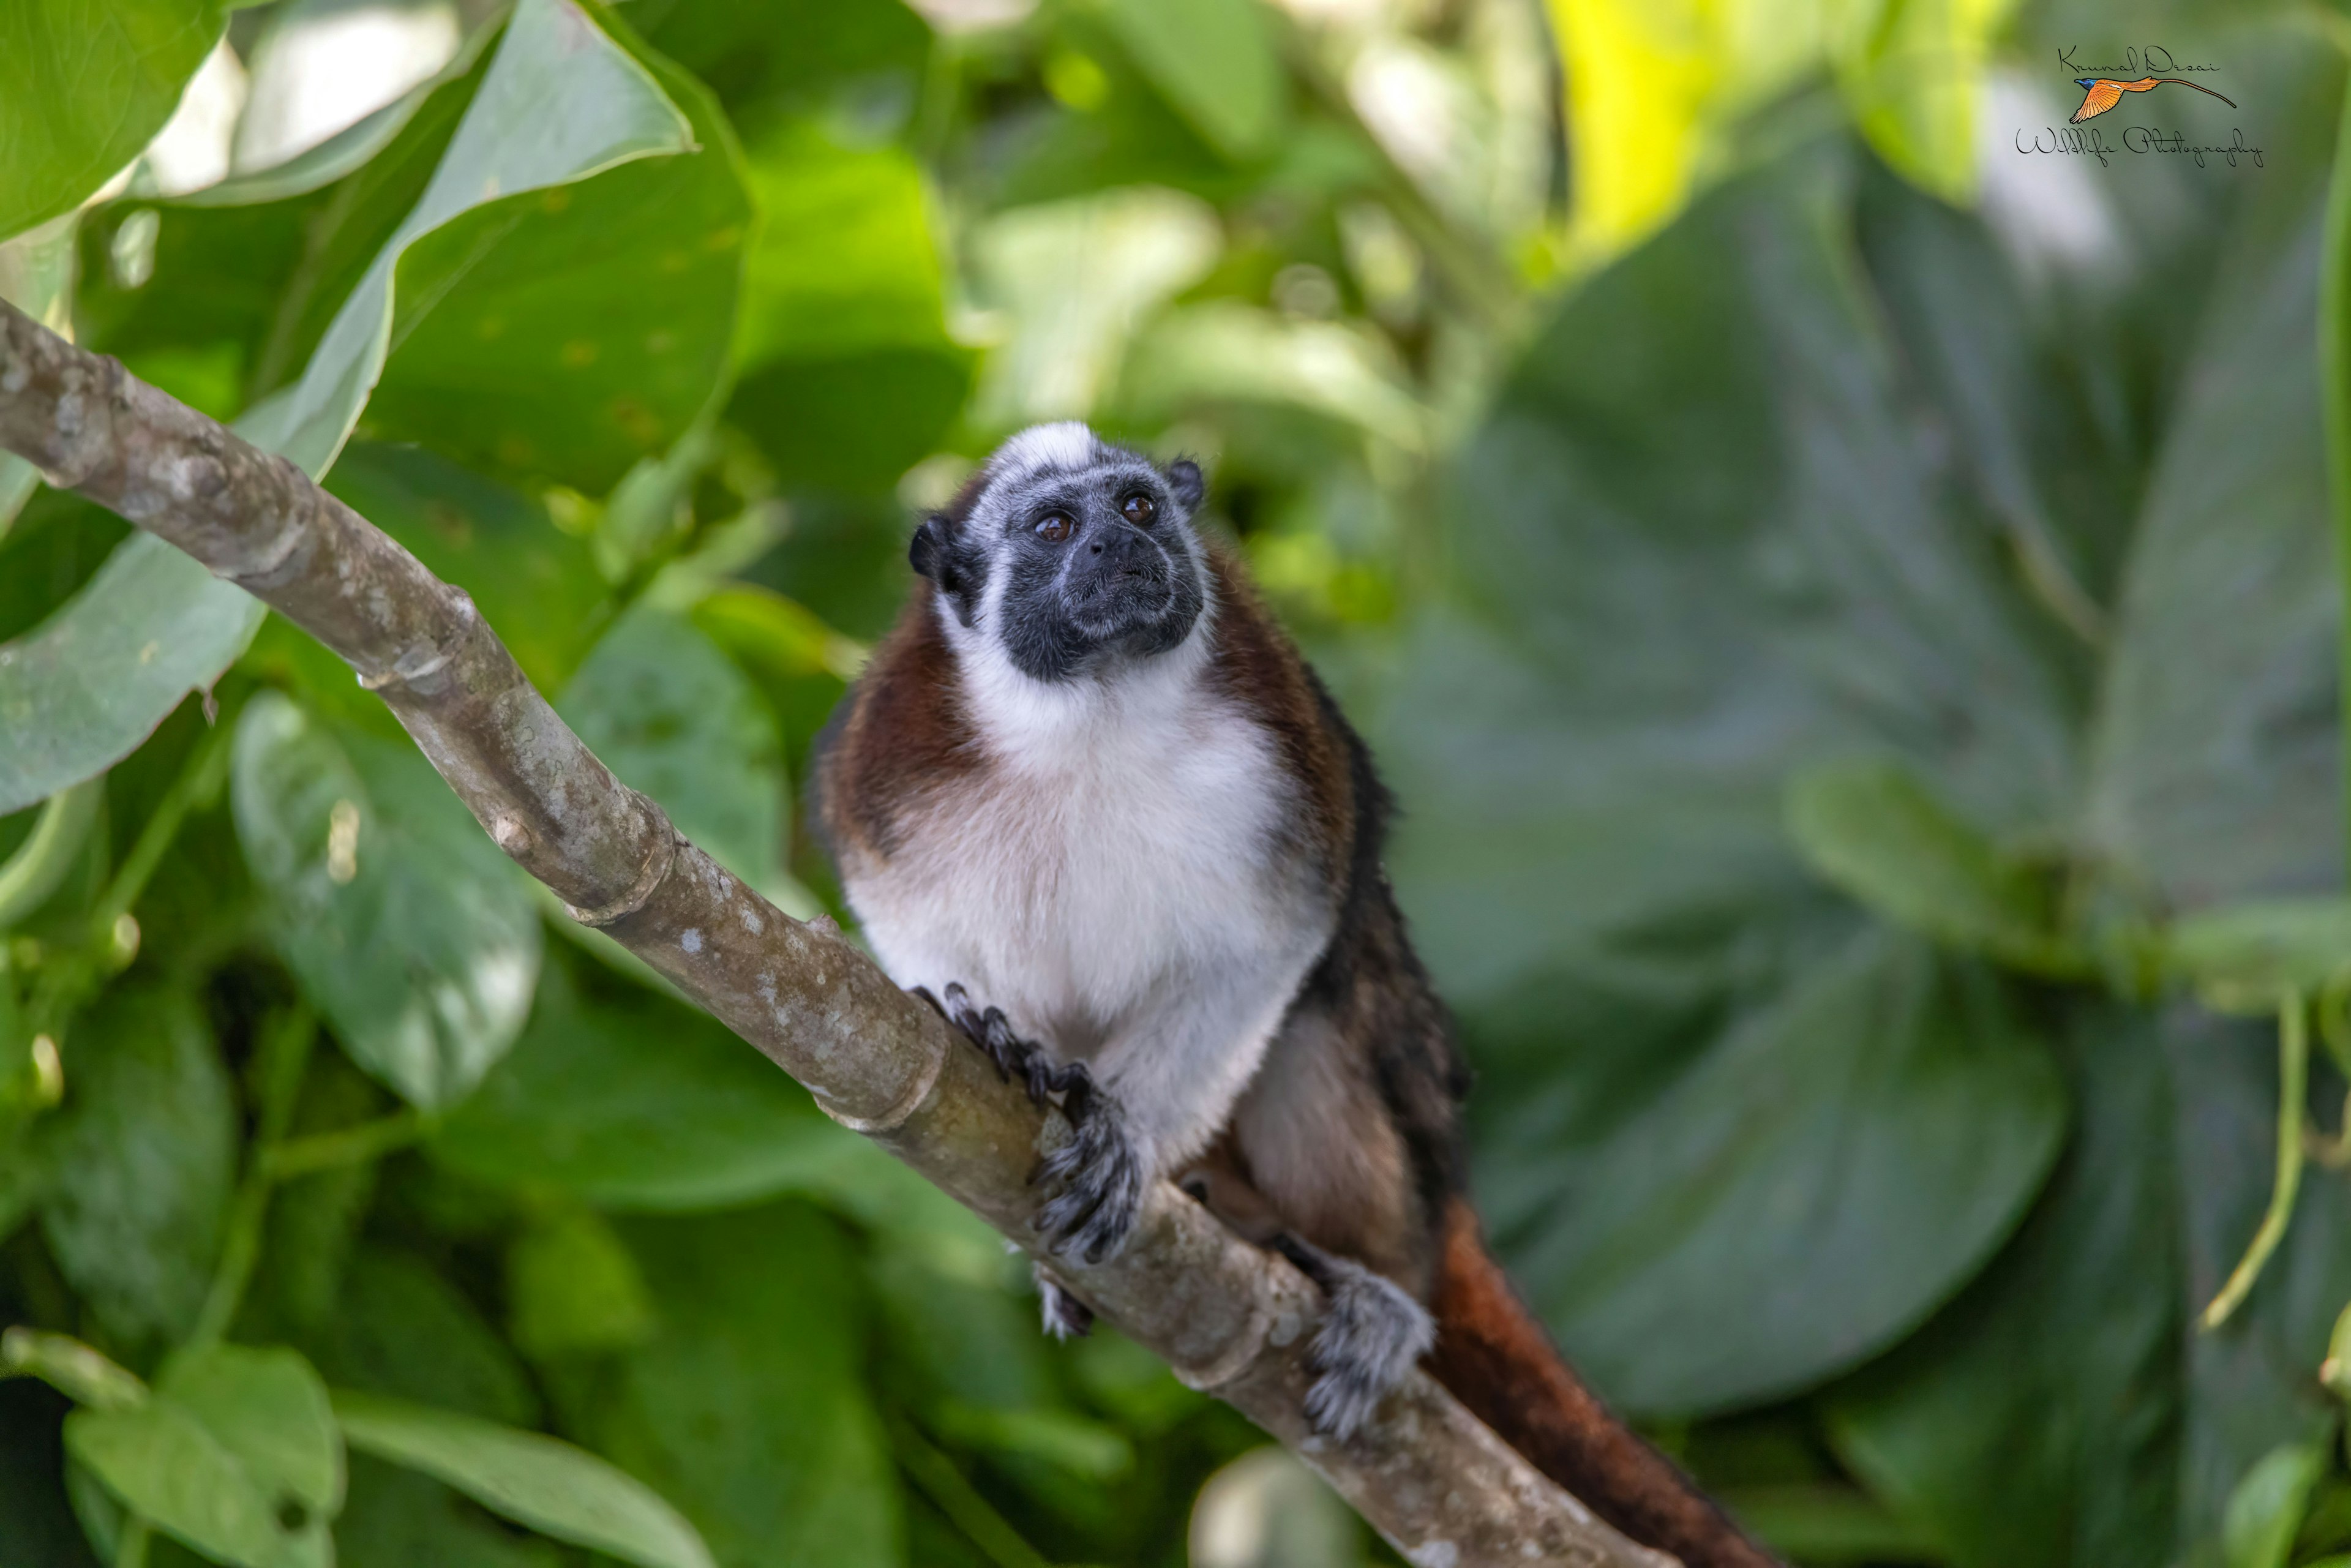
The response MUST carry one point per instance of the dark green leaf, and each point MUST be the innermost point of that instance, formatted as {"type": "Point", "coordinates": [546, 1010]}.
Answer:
{"type": "Point", "coordinates": [403, 922]}
{"type": "Point", "coordinates": [399, 1519]}
{"type": "Point", "coordinates": [1834, 1166]}
{"type": "Point", "coordinates": [1883, 838]}
{"type": "Point", "coordinates": [269, 1409]}
{"type": "Point", "coordinates": [2036, 1421]}
{"type": "Point", "coordinates": [84, 84]}
{"type": "Point", "coordinates": [400, 1328]}
{"type": "Point", "coordinates": [636, 1102]}
{"type": "Point", "coordinates": [139, 1160]}
{"type": "Point", "coordinates": [531, 1478]}
{"type": "Point", "coordinates": [572, 1289]}
{"type": "Point", "coordinates": [747, 1411]}
{"type": "Point", "coordinates": [1214, 61]}
{"type": "Point", "coordinates": [535, 584]}
{"type": "Point", "coordinates": [674, 717]}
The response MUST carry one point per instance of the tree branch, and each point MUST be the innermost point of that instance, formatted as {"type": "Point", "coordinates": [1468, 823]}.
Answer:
{"type": "Point", "coordinates": [1230, 1319]}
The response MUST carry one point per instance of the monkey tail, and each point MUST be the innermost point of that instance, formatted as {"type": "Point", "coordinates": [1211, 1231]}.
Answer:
{"type": "Point", "coordinates": [1497, 1359]}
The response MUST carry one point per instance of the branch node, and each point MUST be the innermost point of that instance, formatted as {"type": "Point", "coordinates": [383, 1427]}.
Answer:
{"type": "Point", "coordinates": [918, 1090]}
{"type": "Point", "coordinates": [663, 855]}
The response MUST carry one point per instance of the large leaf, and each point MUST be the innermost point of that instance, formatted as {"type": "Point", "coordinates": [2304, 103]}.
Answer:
{"type": "Point", "coordinates": [408, 928]}
{"type": "Point", "coordinates": [2036, 1421]}
{"type": "Point", "coordinates": [1214, 61]}
{"type": "Point", "coordinates": [748, 1410]}
{"type": "Point", "coordinates": [633, 1100]}
{"type": "Point", "coordinates": [561, 100]}
{"type": "Point", "coordinates": [674, 717]}
{"type": "Point", "coordinates": [531, 1478]}
{"type": "Point", "coordinates": [83, 85]}
{"type": "Point", "coordinates": [1885, 1118]}
{"type": "Point", "coordinates": [235, 1454]}
{"type": "Point", "coordinates": [399, 1519]}
{"type": "Point", "coordinates": [401, 1330]}
{"type": "Point", "coordinates": [137, 1162]}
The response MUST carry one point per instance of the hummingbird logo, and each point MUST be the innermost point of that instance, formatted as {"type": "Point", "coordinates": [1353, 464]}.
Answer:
{"type": "Point", "coordinates": [2100, 94]}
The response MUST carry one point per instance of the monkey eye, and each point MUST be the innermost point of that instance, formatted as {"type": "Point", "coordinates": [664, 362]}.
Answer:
{"type": "Point", "coordinates": [1055, 525]}
{"type": "Point", "coordinates": [1138, 508]}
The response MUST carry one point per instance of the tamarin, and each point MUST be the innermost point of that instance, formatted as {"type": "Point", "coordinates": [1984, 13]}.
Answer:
{"type": "Point", "coordinates": [1090, 801]}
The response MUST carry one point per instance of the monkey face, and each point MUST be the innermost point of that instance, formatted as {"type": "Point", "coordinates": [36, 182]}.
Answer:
{"type": "Point", "coordinates": [1071, 554]}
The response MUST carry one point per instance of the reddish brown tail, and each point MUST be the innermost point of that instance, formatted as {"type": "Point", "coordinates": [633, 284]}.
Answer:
{"type": "Point", "coordinates": [1498, 1360]}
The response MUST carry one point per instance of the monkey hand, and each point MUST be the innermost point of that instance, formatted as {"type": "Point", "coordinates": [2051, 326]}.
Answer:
{"type": "Point", "coordinates": [1102, 1171]}
{"type": "Point", "coordinates": [1370, 1338]}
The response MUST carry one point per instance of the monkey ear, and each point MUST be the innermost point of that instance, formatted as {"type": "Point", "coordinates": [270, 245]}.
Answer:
{"type": "Point", "coordinates": [1184, 478]}
{"type": "Point", "coordinates": [928, 552]}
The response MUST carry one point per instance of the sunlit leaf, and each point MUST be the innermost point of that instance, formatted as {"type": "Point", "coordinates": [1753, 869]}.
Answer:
{"type": "Point", "coordinates": [1214, 61]}
{"type": "Point", "coordinates": [531, 1478]}
{"type": "Point", "coordinates": [410, 932]}
{"type": "Point", "coordinates": [2266, 1509]}
{"type": "Point", "coordinates": [83, 85]}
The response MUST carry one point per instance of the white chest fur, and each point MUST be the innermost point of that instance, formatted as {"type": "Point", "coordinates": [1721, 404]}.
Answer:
{"type": "Point", "coordinates": [1117, 880]}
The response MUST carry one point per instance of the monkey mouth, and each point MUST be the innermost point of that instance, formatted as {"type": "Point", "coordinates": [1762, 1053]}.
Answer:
{"type": "Point", "coordinates": [1133, 598]}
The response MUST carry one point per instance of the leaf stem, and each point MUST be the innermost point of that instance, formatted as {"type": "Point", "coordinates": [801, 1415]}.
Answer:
{"type": "Point", "coordinates": [957, 1498]}
{"type": "Point", "coordinates": [41, 862]}
{"type": "Point", "coordinates": [2294, 1086]}
{"type": "Point", "coordinates": [2335, 388]}
{"type": "Point", "coordinates": [285, 1052]}
{"type": "Point", "coordinates": [199, 784]}
{"type": "Point", "coordinates": [345, 1146]}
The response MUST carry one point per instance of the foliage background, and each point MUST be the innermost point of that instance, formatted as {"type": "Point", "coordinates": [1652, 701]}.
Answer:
{"type": "Point", "coordinates": [1847, 605]}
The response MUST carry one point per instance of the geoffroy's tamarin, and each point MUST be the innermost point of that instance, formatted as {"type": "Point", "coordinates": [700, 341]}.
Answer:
{"type": "Point", "coordinates": [1089, 799]}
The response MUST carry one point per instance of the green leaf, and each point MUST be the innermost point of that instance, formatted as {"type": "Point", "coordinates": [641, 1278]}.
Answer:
{"type": "Point", "coordinates": [1912, 75]}
{"type": "Point", "coordinates": [535, 585]}
{"type": "Point", "coordinates": [671, 715]}
{"type": "Point", "coordinates": [269, 1409]}
{"type": "Point", "coordinates": [572, 1289]}
{"type": "Point", "coordinates": [636, 1102]}
{"type": "Point", "coordinates": [2266, 1509]}
{"type": "Point", "coordinates": [2246, 957]}
{"type": "Point", "coordinates": [234, 1455]}
{"type": "Point", "coordinates": [87, 686]}
{"type": "Point", "coordinates": [401, 1330]}
{"type": "Point", "coordinates": [536, 1480]}
{"type": "Point", "coordinates": [561, 102]}
{"type": "Point", "coordinates": [571, 332]}
{"type": "Point", "coordinates": [84, 85]}
{"type": "Point", "coordinates": [1879, 835]}
{"type": "Point", "coordinates": [407, 927]}
{"type": "Point", "coordinates": [748, 1409]}
{"type": "Point", "coordinates": [138, 1161]}
{"type": "Point", "coordinates": [1682, 1293]}
{"type": "Point", "coordinates": [1215, 61]}
{"type": "Point", "coordinates": [2035, 1422]}
{"type": "Point", "coordinates": [399, 1519]}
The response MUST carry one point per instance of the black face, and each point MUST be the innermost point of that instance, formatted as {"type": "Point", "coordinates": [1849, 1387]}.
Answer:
{"type": "Point", "coordinates": [1099, 564]}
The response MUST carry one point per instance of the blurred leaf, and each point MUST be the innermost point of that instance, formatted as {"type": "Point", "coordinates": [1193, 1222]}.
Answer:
{"type": "Point", "coordinates": [570, 332]}
{"type": "Point", "coordinates": [1214, 61]}
{"type": "Point", "coordinates": [767, 58]}
{"type": "Point", "coordinates": [85, 688]}
{"type": "Point", "coordinates": [2245, 957]}
{"type": "Point", "coordinates": [401, 1330]}
{"type": "Point", "coordinates": [572, 1288]}
{"type": "Point", "coordinates": [1886, 1119]}
{"type": "Point", "coordinates": [138, 1161]}
{"type": "Point", "coordinates": [2036, 1420]}
{"type": "Point", "coordinates": [1912, 75]}
{"type": "Point", "coordinates": [536, 1480]}
{"type": "Point", "coordinates": [672, 716]}
{"type": "Point", "coordinates": [2266, 1509]}
{"type": "Point", "coordinates": [533, 583]}
{"type": "Point", "coordinates": [561, 102]}
{"type": "Point", "coordinates": [1084, 1449]}
{"type": "Point", "coordinates": [83, 85]}
{"type": "Point", "coordinates": [1267, 1509]}
{"type": "Point", "coordinates": [409, 929]}
{"type": "Point", "coordinates": [399, 1519]}
{"type": "Point", "coordinates": [1224, 350]}
{"type": "Point", "coordinates": [269, 1409]}
{"type": "Point", "coordinates": [1882, 837]}
{"type": "Point", "coordinates": [747, 1411]}
{"type": "Point", "coordinates": [845, 258]}
{"type": "Point", "coordinates": [636, 1102]}
{"type": "Point", "coordinates": [42, 1531]}
{"type": "Point", "coordinates": [37, 275]}
{"type": "Point", "coordinates": [234, 1455]}
{"type": "Point", "coordinates": [852, 423]}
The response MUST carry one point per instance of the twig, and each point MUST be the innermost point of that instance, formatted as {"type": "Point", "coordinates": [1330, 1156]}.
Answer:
{"type": "Point", "coordinates": [2293, 1087]}
{"type": "Point", "coordinates": [1226, 1316]}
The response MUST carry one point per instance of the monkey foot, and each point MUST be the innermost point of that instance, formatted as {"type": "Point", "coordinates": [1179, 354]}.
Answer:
{"type": "Point", "coordinates": [1371, 1337]}
{"type": "Point", "coordinates": [1100, 1168]}
{"type": "Point", "coordinates": [1066, 1317]}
